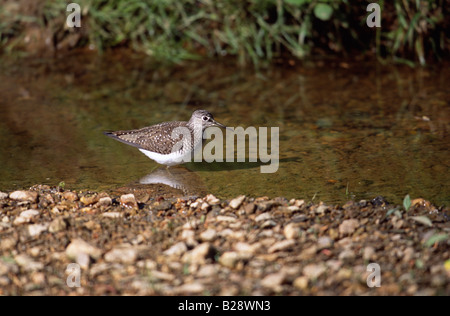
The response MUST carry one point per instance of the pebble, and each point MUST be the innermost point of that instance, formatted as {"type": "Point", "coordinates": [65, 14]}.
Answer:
{"type": "Point", "coordinates": [313, 271]}
{"type": "Point", "coordinates": [126, 254]}
{"type": "Point", "coordinates": [207, 271]}
{"type": "Point", "coordinates": [205, 207]}
{"type": "Point", "coordinates": [291, 231]}
{"type": "Point", "coordinates": [250, 208]}
{"type": "Point", "coordinates": [79, 246]}
{"type": "Point", "coordinates": [57, 225]}
{"type": "Point", "coordinates": [282, 245]}
{"type": "Point", "coordinates": [147, 264]}
{"type": "Point", "coordinates": [268, 224]}
{"type": "Point", "coordinates": [408, 254]}
{"type": "Point", "coordinates": [324, 242]}
{"type": "Point", "coordinates": [237, 202]}
{"type": "Point", "coordinates": [190, 288]}
{"type": "Point", "coordinates": [321, 209]}
{"type": "Point", "coordinates": [308, 253]}
{"type": "Point", "coordinates": [70, 196]}
{"type": "Point", "coordinates": [348, 227]}
{"type": "Point", "coordinates": [208, 235]}
{"type": "Point", "coordinates": [84, 260]}
{"type": "Point", "coordinates": [6, 268]}
{"type": "Point", "coordinates": [35, 230]}
{"type": "Point", "coordinates": [200, 254]}
{"type": "Point", "coordinates": [301, 283]}
{"type": "Point", "coordinates": [29, 196]}
{"type": "Point", "coordinates": [274, 281]}
{"type": "Point", "coordinates": [369, 253]}
{"type": "Point", "coordinates": [347, 255]}
{"type": "Point", "coordinates": [293, 209]}
{"type": "Point", "coordinates": [129, 201]}
{"type": "Point", "coordinates": [104, 201]}
{"type": "Point", "coordinates": [222, 218]}
{"type": "Point", "coordinates": [299, 253]}
{"type": "Point", "coordinates": [244, 249]}
{"type": "Point", "coordinates": [229, 259]}
{"type": "Point", "coordinates": [8, 243]}
{"type": "Point", "coordinates": [263, 217]}
{"type": "Point", "coordinates": [28, 264]}
{"type": "Point", "coordinates": [112, 214]}
{"type": "Point", "coordinates": [89, 200]}
{"type": "Point", "coordinates": [26, 217]}
{"type": "Point", "coordinates": [161, 276]}
{"type": "Point", "coordinates": [212, 200]}
{"type": "Point", "coordinates": [3, 195]}
{"type": "Point", "coordinates": [188, 236]}
{"type": "Point", "coordinates": [176, 250]}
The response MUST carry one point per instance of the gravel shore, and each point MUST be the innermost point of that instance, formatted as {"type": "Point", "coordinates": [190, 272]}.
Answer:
{"type": "Point", "coordinates": [61, 242]}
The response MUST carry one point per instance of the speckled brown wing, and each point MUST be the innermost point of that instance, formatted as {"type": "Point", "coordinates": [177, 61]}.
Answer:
{"type": "Point", "coordinates": [156, 138]}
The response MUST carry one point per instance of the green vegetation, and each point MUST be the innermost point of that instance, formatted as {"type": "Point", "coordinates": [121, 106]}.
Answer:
{"type": "Point", "coordinates": [407, 202]}
{"type": "Point", "coordinates": [252, 30]}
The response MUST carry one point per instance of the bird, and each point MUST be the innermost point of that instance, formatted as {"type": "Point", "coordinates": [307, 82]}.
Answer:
{"type": "Point", "coordinates": [169, 143]}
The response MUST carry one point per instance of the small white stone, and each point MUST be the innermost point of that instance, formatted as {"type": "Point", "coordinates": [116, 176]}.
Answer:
{"type": "Point", "coordinates": [36, 229]}
{"type": "Point", "coordinates": [129, 201]}
{"type": "Point", "coordinates": [190, 288]}
{"type": "Point", "coordinates": [274, 281]}
{"type": "Point", "coordinates": [212, 200]}
{"type": "Point", "coordinates": [292, 231]}
{"type": "Point", "coordinates": [263, 217]}
{"type": "Point", "coordinates": [57, 225]}
{"type": "Point", "coordinates": [205, 206]}
{"type": "Point", "coordinates": [324, 242]}
{"type": "Point", "coordinates": [122, 254]}
{"type": "Point", "coordinates": [222, 218]}
{"type": "Point", "coordinates": [199, 254]}
{"type": "Point", "coordinates": [3, 195]}
{"type": "Point", "coordinates": [29, 196]}
{"type": "Point", "coordinates": [26, 217]}
{"type": "Point", "coordinates": [208, 235]}
{"type": "Point", "coordinates": [78, 246]}
{"type": "Point", "coordinates": [229, 259]}
{"type": "Point", "coordinates": [368, 253]}
{"type": "Point", "coordinates": [235, 203]}
{"type": "Point", "coordinates": [347, 255]}
{"type": "Point", "coordinates": [29, 214]}
{"type": "Point", "coordinates": [301, 283]}
{"type": "Point", "coordinates": [26, 263]}
{"type": "Point", "coordinates": [282, 245]}
{"type": "Point", "coordinates": [83, 259]}
{"type": "Point", "coordinates": [104, 201]}
{"type": "Point", "coordinates": [176, 250]}
{"type": "Point", "coordinates": [112, 214]}
{"type": "Point", "coordinates": [313, 271]}
{"type": "Point", "coordinates": [348, 227]}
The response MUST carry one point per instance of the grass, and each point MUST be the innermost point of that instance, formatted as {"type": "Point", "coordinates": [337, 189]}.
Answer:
{"type": "Point", "coordinates": [254, 31]}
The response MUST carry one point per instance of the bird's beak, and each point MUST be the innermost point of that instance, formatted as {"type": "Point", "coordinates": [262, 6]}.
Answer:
{"type": "Point", "coordinates": [222, 126]}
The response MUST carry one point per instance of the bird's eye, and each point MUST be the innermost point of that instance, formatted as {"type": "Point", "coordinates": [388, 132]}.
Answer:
{"type": "Point", "coordinates": [205, 118]}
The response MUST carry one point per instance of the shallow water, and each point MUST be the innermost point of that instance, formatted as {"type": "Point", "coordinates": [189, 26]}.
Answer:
{"type": "Point", "coordinates": [347, 131]}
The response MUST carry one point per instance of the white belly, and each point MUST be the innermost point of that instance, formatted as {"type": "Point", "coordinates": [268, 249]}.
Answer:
{"type": "Point", "coordinates": [171, 159]}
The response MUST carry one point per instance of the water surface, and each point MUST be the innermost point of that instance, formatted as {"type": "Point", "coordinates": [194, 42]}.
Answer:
{"type": "Point", "coordinates": [347, 130]}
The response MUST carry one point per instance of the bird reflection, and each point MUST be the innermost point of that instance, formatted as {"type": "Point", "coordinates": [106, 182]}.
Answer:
{"type": "Point", "coordinates": [167, 182]}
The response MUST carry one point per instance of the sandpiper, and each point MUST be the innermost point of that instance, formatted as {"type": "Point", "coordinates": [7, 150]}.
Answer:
{"type": "Point", "coordinates": [169, 143]}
